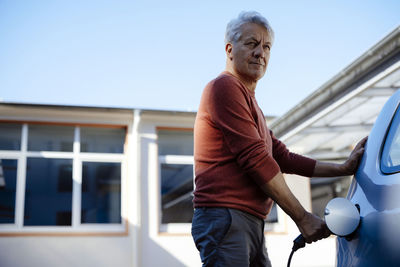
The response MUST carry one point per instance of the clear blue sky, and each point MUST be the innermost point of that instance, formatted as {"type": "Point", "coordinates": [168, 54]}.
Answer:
{"type": "Point", "coordinates": [160, 54]}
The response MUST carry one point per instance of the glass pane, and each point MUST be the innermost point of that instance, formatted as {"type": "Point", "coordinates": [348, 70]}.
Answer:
{"type": "Point", "coordinates": [175, 142]}
{"type": "Point", "coordinates": [102, 140]}
{"type": "Point", "coordinates": [390, 161]}
{"type": "Point", "coordinates": [8, 183]}
{"type": "Point", "coordinates": [176, 193]}
{"type": "Point", "coordinates": [101, 192]}
{"type": "Point", "coordinates": [10, 136]}
{"type": "Point", "coordinates": [273, 215]}
{"type": "Point", "coordinates": [50, 138]}
{"type": "Point", "coordinates": [48, 196]}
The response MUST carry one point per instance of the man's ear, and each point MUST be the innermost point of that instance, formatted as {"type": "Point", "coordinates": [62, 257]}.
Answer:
{"type": "Point", "coordinates": [228, 50]}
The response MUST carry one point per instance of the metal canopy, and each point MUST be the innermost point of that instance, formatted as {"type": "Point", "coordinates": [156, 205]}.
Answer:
{"type": "Point", "coordinates": [329, 123]}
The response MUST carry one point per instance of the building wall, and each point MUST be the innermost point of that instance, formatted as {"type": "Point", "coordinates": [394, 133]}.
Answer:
{"type": "Point", "coordinates": [159, 248]}
{"type": "Point", "coordinates": [65, 251]}
{"type": "Point", "coordinates": [143, 241]}
{"type": "Point", "coordinates": [94, 245]}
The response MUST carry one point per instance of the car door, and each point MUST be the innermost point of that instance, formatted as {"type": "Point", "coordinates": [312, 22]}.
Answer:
{"type": "Point", "coordinates": [376, 190]}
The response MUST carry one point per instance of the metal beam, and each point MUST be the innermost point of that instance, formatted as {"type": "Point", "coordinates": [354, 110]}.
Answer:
{"type": "Point", "coordinates": [380, 91]}
{"type": "Point", "coordinates": [326, 138]}
{"type": "Point", "coordinates": [337, 129]}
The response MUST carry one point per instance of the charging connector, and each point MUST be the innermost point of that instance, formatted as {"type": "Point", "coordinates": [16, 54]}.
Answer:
{"type": "Point", "coordinates": [342, 218]}
{"type": "Point", "coordinates": [299, 242]}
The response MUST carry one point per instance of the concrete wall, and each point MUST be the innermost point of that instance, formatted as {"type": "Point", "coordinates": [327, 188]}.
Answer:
{"type": "Point", "coordinates": [70, 251]}
{"type": "Point", "coordinates": [157, 248]}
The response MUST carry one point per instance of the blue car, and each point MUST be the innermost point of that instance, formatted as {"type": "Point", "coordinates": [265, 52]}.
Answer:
{"type": "Point", "coordinates": [375, 190]}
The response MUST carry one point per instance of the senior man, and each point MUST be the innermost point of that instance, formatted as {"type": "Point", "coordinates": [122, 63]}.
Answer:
{"type": "Point", "coordinates": [239, 162]}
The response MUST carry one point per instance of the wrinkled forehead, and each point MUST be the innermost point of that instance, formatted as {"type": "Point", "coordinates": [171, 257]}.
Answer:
{"type": "Point", "coordinates": [256, 31]}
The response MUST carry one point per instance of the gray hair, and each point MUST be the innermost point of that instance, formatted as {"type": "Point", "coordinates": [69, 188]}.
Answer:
{"type": "Point", "coordinates": [233, 33]}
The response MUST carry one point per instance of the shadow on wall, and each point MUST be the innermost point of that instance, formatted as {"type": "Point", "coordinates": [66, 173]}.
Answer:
{"type": "Point", "coordinates": [65, 251]}
{"type": "Point", "coordinates": [158, 256]}
{"type": "Point", "coordinates": [150, 252]}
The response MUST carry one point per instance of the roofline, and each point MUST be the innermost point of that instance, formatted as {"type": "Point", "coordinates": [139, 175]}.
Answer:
{"type": "Point", "coordinates": [372, 60]}
{"type": "Point", "coordinates": [98, 108]}
{"type": "Point", "coordinates": [109, 109]}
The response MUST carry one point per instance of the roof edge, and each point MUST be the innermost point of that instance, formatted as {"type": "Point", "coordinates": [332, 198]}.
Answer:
{"type": "Point", "coordinates": [94, 108]}
{"type": "Point", "coordinates": [339, 84]}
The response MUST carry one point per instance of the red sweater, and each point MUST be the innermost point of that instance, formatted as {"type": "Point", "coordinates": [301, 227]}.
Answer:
{"type": "Point", "coordinates": [235, 152]}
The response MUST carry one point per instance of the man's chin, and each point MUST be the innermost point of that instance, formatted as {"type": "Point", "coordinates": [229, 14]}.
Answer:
{"type": "Point", "coordinates": [257, 76]}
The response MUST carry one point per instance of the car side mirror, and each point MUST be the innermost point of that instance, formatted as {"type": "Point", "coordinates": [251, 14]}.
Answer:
{"type": "Point", "coordinates": [342, 217]}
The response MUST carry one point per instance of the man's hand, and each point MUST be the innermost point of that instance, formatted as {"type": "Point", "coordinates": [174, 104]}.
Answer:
{"type": "Point", "coordinates": [312, 228]}
{"type": "Point", "coordinates": [351, 164]}
{"type": "Point", "coordinates": [349, 167]}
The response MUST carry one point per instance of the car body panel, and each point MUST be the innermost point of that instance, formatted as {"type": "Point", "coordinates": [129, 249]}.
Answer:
{"type": "Point", "coordinates": [377, 240]}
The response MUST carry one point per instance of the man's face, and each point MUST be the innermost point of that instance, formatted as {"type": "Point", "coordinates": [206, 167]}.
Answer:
{"type": "Point", "coordinates": [250, 54]}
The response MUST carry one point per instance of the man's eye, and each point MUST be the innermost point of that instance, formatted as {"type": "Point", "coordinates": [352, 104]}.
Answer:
{"type": "Point", "coordinates": [267, 47]}
{"type": "Point", "coordinates": [252, 44]}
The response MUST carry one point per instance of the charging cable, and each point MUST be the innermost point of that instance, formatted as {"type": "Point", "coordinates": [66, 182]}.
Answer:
{"type": "Point", "coordinates": [299, 242]}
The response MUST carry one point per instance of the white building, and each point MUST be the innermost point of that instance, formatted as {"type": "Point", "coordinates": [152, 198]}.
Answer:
{"type": "Point", "coordinates": [91, 186]}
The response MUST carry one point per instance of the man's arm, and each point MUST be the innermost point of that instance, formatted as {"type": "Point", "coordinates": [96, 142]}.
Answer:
{"type": "Point", "coordinates": [349, 167]}
{"type": "Point", "coordinates": [311, 226]}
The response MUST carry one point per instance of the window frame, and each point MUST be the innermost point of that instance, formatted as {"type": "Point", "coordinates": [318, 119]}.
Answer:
{"type": "Point", "coordinates": [77, 157]}
{"type": "Point", "coordinates": [388, 141]}
{"type": "Point", "coordinates": [175, 228]}
{"type": "Point", "coordinates": [172, 228]}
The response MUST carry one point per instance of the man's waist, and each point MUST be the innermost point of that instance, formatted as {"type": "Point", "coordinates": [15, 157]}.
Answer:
{"type": "Point", "coordinates": [257, 210]}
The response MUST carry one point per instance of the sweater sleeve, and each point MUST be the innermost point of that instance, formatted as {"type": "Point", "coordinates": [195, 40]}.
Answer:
{"type": "Point", "coordinates": [291, 162]}
{"type": "Point", "coordinates": [229, 109]}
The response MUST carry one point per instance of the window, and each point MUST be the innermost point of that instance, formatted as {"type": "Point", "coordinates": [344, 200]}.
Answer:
{"type": "Point", "coordinates": [390, 160]}
{"type": "Point", "coordinates": [102, 140]}
{"type": "Point", "coordinates": [273, 215]}
{"type": "Point", "coordinates": [8, 186]}
{"type": "Point", "coordinates": [176, 193]}
{"type": "Point", "coordinates": [175, 150]}
{"type": "Point", "coordinates": [175, 142]}
{"type": "Point", "coordinates": [64, 177]}
{"type": "Point", "coordinates": [10, 136]}
{"type": "Point", "coordinates": [45, 204]}
{"type": "Point", "coordinates": [101, 192]}
{"type": "Point", "coordinates": [50, 138]}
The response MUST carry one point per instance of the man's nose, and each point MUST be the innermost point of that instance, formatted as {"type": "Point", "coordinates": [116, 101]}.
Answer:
{"type": "Point", "coordinates": [259, 52]}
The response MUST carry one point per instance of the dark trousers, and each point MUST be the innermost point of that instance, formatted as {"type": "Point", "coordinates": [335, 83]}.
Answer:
{"type": "Point", "coordinates": [229, 237]}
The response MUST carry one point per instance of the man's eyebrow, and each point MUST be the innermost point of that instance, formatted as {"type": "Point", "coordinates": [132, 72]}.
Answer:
{"type": "Point", "coordinates": [251, 38]}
